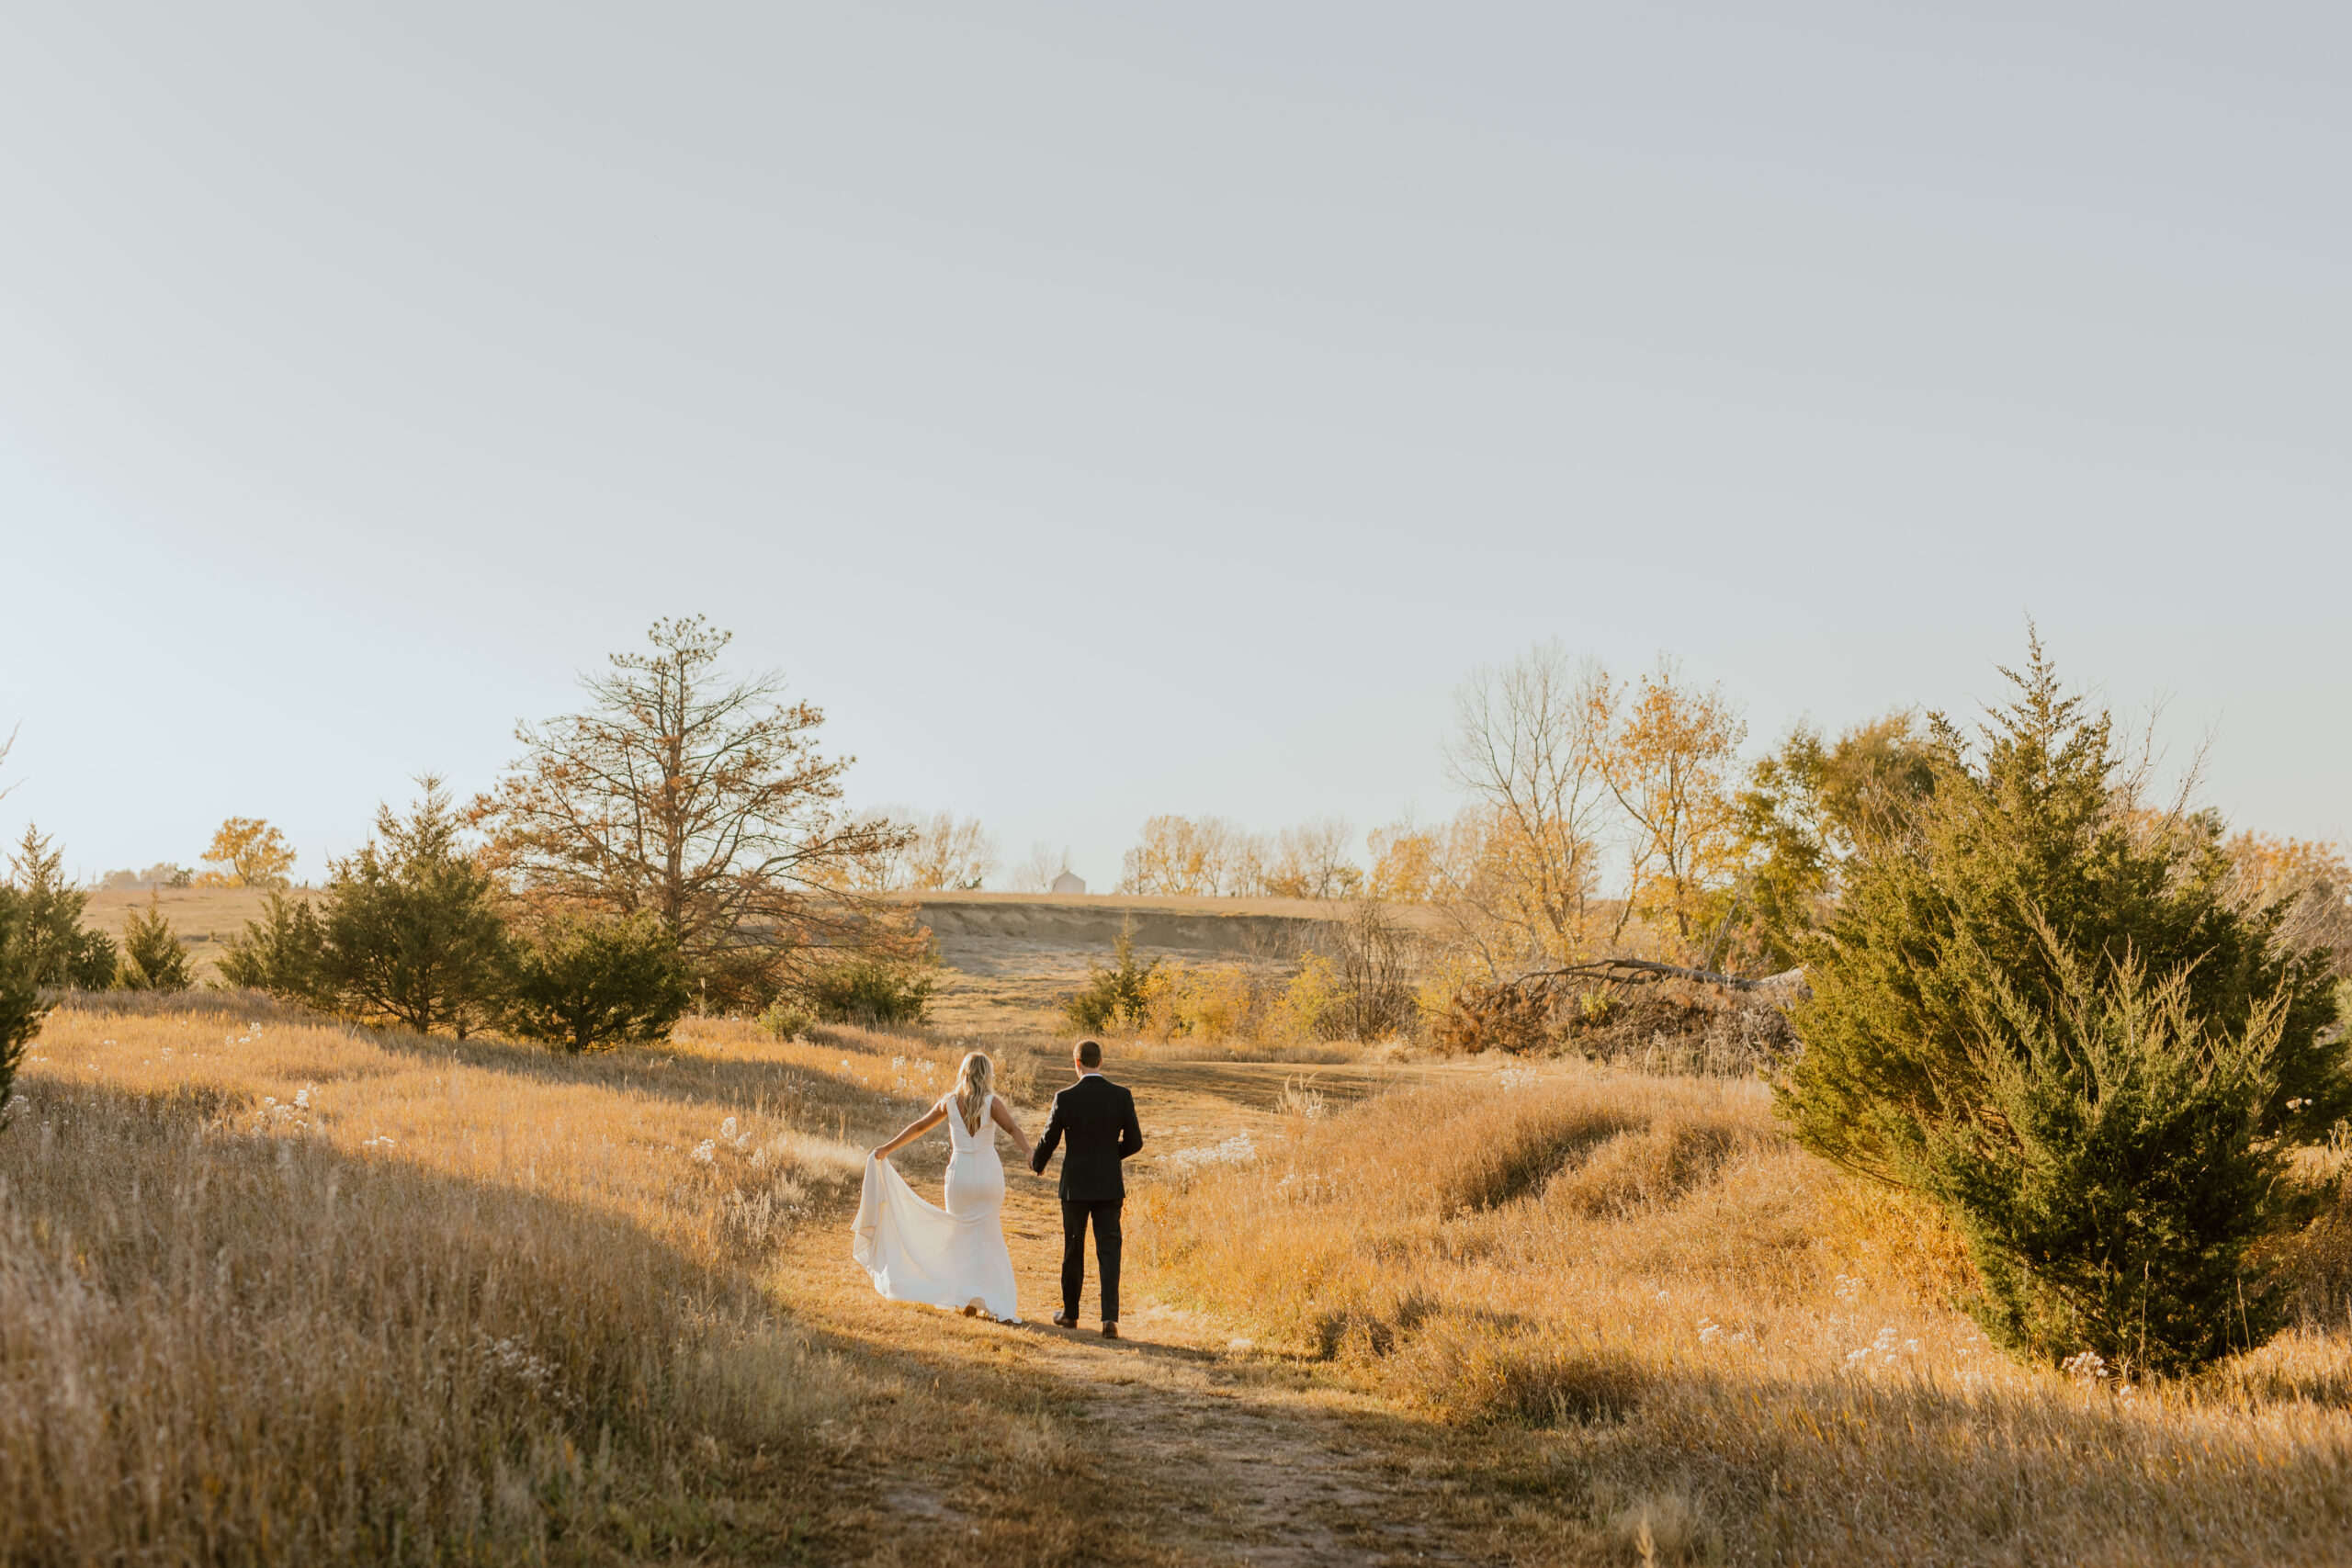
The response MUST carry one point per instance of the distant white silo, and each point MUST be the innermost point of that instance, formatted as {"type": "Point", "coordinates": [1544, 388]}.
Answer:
{"type": "Point", "coordinates": [1069, 882]}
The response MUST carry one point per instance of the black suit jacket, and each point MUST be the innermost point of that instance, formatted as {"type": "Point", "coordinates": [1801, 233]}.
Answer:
{"type": "Point", "coordinates": [1099, 1119]}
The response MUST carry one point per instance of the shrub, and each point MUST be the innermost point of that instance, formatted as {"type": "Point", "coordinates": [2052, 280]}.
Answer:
{"type": "Point", "coordinates": [412, 933]}
{"type": "Point", "coordinates": [284, 953]}
{"type": "Point", "coordinates": [871, 992]}
{"type": "Point", "coordinates": [409, 933]}
{"type": "Point", "coordinates": [1122, 992]}
{"type": "Point", "coordinates": [784, 1020]}
{"type": "Point", "coordinates": [21, 1008]}
{"type": "Point", "coordinates": [2112, 1195]}
{"type": "Point", "coordinates": [152, 958]}
{"type": "Point", "coordinates": [586, 983]}
{"type": "Point", "coordinates": [54, 947]}
{"type": "Point", "coordinates": [1372, 994]}
{"type": "Point", "coordinates": [2036, 1004]}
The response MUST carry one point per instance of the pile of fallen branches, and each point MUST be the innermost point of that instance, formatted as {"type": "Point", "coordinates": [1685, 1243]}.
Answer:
{"type": "Point", "coordinates": [1633, 1012]}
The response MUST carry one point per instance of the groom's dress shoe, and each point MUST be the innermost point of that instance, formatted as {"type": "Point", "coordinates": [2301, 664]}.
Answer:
{"type": "Point", "coordinates": [1064, 1320]}
{"type": "Point", "coordinates": [1110, 1331]}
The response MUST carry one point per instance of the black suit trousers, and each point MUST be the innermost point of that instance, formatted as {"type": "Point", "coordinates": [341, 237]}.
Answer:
{"type": "Point", "coordinates": [1104, 1211]}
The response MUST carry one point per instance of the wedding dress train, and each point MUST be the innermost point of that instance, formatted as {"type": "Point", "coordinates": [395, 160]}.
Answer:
{"type": "Point", "coordinates": [951, 1257]}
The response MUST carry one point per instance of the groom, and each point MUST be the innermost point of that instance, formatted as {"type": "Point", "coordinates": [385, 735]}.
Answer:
{"type": "Point", "coordinates": [1099, 1118]}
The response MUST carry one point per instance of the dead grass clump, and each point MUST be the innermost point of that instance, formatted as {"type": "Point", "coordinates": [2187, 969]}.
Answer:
{"type": "Point", "coordinates": [1465, 1365]}
{"type": "Point", "coordinates": [1653, 1164]}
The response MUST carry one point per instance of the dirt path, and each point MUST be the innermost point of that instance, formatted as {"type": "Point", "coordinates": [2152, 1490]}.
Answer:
{"type": "Point", "coordinates": [1219, 1453]}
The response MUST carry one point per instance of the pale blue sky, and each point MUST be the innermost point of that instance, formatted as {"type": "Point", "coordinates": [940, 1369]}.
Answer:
{"type": "Point", "coordinates": [1104, 411]}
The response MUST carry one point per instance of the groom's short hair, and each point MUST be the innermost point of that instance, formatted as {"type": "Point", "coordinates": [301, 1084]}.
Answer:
{"type": "Point", "coordinates": [1089, 1053]}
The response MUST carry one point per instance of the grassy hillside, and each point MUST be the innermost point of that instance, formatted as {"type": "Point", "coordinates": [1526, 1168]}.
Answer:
{"type": "Point", "coordinates": [272, 1288]}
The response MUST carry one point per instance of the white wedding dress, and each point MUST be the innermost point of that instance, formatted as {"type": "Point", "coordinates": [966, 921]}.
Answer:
{"type": "Point", "coordinates": [951, 1257]}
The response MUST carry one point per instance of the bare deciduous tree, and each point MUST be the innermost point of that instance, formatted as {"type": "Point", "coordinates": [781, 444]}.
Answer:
{"type": "Point", "coordinates": [701, 799]}
{"type": "Point", "coordinates": [1314, 860]}
{"type": "Point", "coordinates": [1526, 748]}
{"type": "Point", "coordinates": [936, 851]}
{"type": "Point", "coordinates": [2307, 879]}
{"type": "Point", "coordinates": [1036, 874]}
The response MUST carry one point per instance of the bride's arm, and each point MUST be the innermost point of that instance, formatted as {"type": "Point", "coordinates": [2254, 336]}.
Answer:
{"type": "Point", "coordinates": [1004, 1118]}
{"type": "Point", "coordinates": [915, 1129]}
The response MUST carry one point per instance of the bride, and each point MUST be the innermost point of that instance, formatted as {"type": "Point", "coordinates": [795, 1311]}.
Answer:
{"type": "Point", "coordinates": [953, 1258]}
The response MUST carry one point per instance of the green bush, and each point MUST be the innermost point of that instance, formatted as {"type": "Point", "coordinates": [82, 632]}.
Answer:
{"type": "Point", "coordinates": [2035, 1004]}
{"type": "Point", "coordinates": [21, 1008]}
{"type": "Point", "coordinates": [2112, 1195]}
{"type": "Point", "coordinates": [871, 992]}
{"type": "Point", "coordinates": [284, 953]}
{"type": "Point", "coordinates": [1121, 991]}
{"type": "Point", "coordinates": [152, 958]}
{"type": "Point", "coordinates": [55, 949]}
{"type": "Point", "coordinates": [407, 932]}
{"type": "Point", "coordinates": [784, 1020]}
{"type": "Point", "coordinates": [411, 929]}
{"type": "Point", "coordinates": [586, 983]}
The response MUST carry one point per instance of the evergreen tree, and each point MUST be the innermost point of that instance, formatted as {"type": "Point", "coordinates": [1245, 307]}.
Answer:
{"type": "Point", "coordinates": [284, 953]}
{"type": "Point", "coordinates": [412, 931]}
{"type": "Point", "coordinates": [153, 959]}
{"type": "Point", "coordinates": [57, 951]}
{"type": "Point", "coordinates": [21, 1008]}
{"type": "Point", "coordinates": [588, 982]}
{"type": "Point", "coordinates": [2035, 1004]}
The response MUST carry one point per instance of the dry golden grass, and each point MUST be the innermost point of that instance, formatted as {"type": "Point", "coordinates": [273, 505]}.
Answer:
{"type": "Point", "coordinates": [273, 1290]}
{"type": "Point", "coordinates": [205, 917]}
{"type": "Point", "coordinates": [1723, 1351]}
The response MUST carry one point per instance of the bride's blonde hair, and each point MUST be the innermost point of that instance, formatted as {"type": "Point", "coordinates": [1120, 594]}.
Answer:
{"type": "Point", "coordinates": [974, 1081]}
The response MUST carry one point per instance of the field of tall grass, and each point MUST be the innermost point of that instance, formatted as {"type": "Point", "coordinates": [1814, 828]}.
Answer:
{"type": "Point", "coordinates": [275, 1290]}
{"type": "Point", "coordinates": [1723, 1351]}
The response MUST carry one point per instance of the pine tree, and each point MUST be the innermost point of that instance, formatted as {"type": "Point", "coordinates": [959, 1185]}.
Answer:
{"type": "Point", "coordinates": [589, 982]}
{"type": "Point", "coordinates": [57, 950]}
{"type": "Point", "coordinates": [412, 932]}
{"type": "Point", "coordinates": [2035, 1004]}
{"type": "Point", "coordinates": [153, 959]}
{"type": "Point", "coordinates": [21, 1008]}
{"type": "Point", "coordinates": [283, 953]}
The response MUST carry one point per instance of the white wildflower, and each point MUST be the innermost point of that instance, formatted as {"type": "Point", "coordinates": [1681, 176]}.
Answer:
{"type": "Point", "coordinates": [2087, 1368]}
{"type": "Point", "coordinates": [727, 1129]}
{"type": "Point", "coordinates": [302, 1098]}
{"type": "Point", "coordinates": [1849, 1287]}
{"type": "Point", "coordinates": [1709, 1331]}
{"type": "Point", "coordinates": [1236, 1150]}
{"type": "Point", "coordinates": [704, 1152]}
